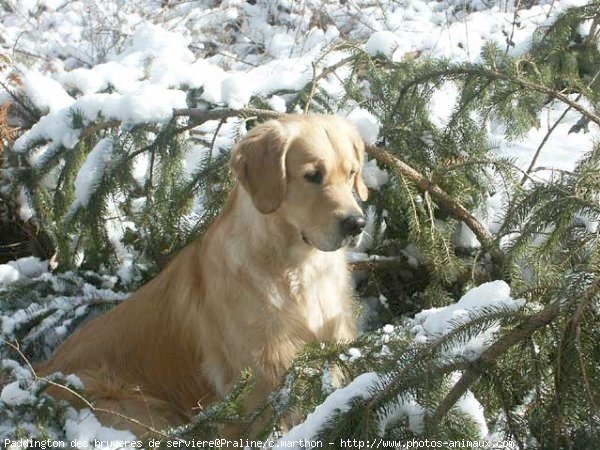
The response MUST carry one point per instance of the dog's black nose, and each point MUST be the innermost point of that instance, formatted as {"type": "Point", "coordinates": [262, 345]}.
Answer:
{"type": "Point", "coordinates": [352, 225]}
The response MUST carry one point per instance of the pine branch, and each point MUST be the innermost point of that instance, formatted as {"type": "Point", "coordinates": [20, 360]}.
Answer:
{"type": "Point", "coordinates": [201, 116]}
{"type": "Point", "coordinates": [497, 75]}
{"type": "Point", "coordinates": [523, 331]}
{"type": "Point", "coordinates": [94, 128]}
{"type": "Point", "coordinates": [459, 211]}
{"type": "Point", "coordinates": [551, 130]}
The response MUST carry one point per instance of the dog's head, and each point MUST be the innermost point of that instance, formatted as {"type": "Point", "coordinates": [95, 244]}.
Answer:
{"type": "Point", "coordinates": [306, 168]}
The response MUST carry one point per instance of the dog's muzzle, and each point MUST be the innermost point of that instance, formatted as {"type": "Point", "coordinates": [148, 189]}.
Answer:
{"type": "Point", "coordinates": [304, 238]}
{"type": "Point", "coordinates": [352, 225]}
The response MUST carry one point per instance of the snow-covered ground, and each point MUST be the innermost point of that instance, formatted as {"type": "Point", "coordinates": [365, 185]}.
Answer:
{"type": "Point", "coordinates": [133, 60]}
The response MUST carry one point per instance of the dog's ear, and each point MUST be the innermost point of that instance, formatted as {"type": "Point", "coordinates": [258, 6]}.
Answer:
{"type": "Point", "coordinates": [258, 162]}
{"type": "Point", "coordinates": [359, 184]}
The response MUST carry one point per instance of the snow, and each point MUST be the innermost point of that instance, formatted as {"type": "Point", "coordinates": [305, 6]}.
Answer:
{"type": "Point", "coordinates": [8, 274]}
{"type": "Point", "coordinates": [471, 406]}
{"type": "Point", "coordinates": [83, 427]}
{"type": "Point", "coordinates": [489, 214]}
{"type": "Point", "coordinates": [91, 172]}
{"type": "Point", "coordinates": [388, 328]}
{"type": "Point", "coordinates": [406, 407]}
{"type": "Point", "coordinates": [13, 394]}
{"type": "Point", "coordinates": [431, 324]}
{"type": "Point", "coordinates": [340, 400]}
{"type": "Point", "coordinates": [373, 176]}
{"type": "Point", "coordinates": [28, 267]}
{"type": "Point", "coordinates": [277, 103]}
{"type": "Point", "coordinates": [362, 387]}
{"type": "Point", "coordinates": [563, 149]}
{"type": "Point", "coordinates": [382, 43]}
{"type": "Point", "coordinates": [25, 211]}
{"type": "Point", "coordinates": [46, 93]}
{"type": "Point", "coordinates": [366, 123]}
{"type": "Point", "coordinates": [352, 355]}
{"type": "Point", "coordinates": [122, 78]}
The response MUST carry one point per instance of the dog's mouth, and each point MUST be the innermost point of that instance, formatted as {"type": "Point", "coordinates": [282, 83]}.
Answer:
{"type": "Point", "coordinates": [304, 238]}
{"type": "Point", "coordinates": [349, 241]}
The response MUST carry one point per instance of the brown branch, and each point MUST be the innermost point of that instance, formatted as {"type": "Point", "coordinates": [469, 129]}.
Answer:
{"type": "Point", "coordinates": [334, 67]}
{"type": "Point", "coordinates": [441, 196]}
{"type": "Point", "coordinates": [89, 130]}
{"type": "Point", "coordinates": [511, 338]}
{"type": "Point", "coordinates": [200, 116]}
{"type": "Point", "coordinates": [374, 264]}
{"type": "Point", "coordinates": [313, 88]}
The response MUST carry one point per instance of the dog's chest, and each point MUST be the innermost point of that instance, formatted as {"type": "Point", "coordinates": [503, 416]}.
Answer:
{"type": "Point", "coordinates": [317, 294]}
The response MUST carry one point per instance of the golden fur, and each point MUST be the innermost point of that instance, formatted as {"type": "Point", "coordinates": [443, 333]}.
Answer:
{"type": "Point", "coordinates": [268, 276]}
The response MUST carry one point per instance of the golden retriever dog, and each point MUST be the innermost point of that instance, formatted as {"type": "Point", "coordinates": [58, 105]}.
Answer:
{"type": "Point", "coordinates": [268, 276]}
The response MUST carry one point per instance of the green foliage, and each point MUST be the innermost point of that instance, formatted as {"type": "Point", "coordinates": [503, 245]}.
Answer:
{"type": "Point", "coordinates": [149, 217]}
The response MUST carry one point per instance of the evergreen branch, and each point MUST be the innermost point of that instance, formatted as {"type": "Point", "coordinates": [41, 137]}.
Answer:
{"type": "Point", "coordinates": [523, 331]}
{"type": "Point", "coordinates": [94, 128]}
{"type": "Point", "coordinates": [539, 149]}
{"type": "Point", "coordinates": [584, 374]}
{"type": "Point", "coordinates": [201, 116]}
{"type": "Point", "coordinates": [214, 138]}
{"type": "Point", "coordinates": [334, 67]}
{"type": "Point", "coordinates": [316, 78]}
{"type": "Point", "coordinates": [551, 130]}
{"type": "Point", "coordinates": [492, 354]}
{"type": "Point", "coordinates": [497, 75]}
{"type": "Point", "coordinates": [459, 211]}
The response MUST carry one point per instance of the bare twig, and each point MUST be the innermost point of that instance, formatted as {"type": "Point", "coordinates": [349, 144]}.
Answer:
{"type": "Point", "coordinates": [509, 40]}
{"type": "Point", "coordinates": [313, 88]}
{"type": "Point", "coordinates": [539, 149]}
{"type": "Point", "coordinates": [374, 264]}
{"type": "Point", "coordinates": [214, 138]}
{"type": "Point", "coordinates": [202, 116]}
{"type": "Point", "coordinates": [89, 130]}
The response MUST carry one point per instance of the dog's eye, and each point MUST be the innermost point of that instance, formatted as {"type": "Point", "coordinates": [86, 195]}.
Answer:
{"type": "Point", "coordinates": [351, 174]}
{"type": "Point", "coordinates": [315, 177]}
